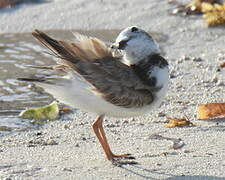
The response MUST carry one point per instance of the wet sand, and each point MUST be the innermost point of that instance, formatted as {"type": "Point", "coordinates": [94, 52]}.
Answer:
{"type": "Point", "coordinates": [68, 149]}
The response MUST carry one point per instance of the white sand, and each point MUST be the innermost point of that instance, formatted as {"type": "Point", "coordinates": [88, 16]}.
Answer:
{"type": "Point", "coordinates": [77, 154]}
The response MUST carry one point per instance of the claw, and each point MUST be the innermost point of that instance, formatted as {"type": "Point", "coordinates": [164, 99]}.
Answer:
{"type": "Point", "coordinates": [121, 156]}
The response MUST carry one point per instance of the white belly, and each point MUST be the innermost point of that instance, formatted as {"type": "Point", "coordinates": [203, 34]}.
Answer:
{"type": "Point", "coordinates": [77, 94]}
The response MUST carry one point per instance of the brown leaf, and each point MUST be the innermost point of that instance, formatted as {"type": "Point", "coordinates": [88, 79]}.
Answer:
{"type": "Point", "coordinates": [178, 122]}
{"type": "Point", "coordinates": [213, 11]}
{"type": "Point", "coordinates": [214, 14]}
{"type": "Point", "coordinates": [195, 7]}
{"type": "Point", "coordinates": [207, 111]}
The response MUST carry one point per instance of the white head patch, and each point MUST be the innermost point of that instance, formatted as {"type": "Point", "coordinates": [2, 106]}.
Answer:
{"type": "Point", "coordinates": [136, 44]}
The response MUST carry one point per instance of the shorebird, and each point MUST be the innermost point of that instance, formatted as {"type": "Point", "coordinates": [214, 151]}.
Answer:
{"type": "Point", "coordinates": [96, 80]}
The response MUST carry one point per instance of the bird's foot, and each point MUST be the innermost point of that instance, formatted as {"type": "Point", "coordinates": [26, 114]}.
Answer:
{"type": "Point", "coordinates": [121, 156]}
{"type": "Point", "coordinates": [122, 159]}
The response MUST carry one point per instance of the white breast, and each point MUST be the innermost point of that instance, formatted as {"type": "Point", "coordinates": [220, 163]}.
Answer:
{"type": "Point", "coordinates": [162, 79]}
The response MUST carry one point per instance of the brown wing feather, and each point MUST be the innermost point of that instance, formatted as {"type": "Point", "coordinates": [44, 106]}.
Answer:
{"type": "Point", "coordinates": [116, 82]}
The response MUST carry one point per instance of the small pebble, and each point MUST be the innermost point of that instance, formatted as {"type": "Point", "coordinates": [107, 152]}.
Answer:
{"type": "Point", "coordinates": [117, 121]}
{"type": "Point", "coordinates": [173, 153]}
{"type": "Point", "coordinates": [8, 178]}
{"type": "Point", "coordinates": [219, 83]}
{"type": "Point", "coordinates": [187, 151]}
{"type": "Point", "coordinates": [185, 58]}
{"type": "Point", "coordinates": [196, 59]}
{"type": "Point", "coordinates": [110, 125]}
{"type": "Point", "coordinates": [67, 169]}
{"type": "Point", "coordinates": [50, 142]}
{"type": "Point", "coordinates": [39, 133]}
{"type": "Point", "coordinates": [172, 76]}
{"type": "Point", "coordinates": [125, 122]}
{"type": "Point", "coordinates": [179, 61]}
{"type": "Point", "coordinates": [215, 79]}
{"type": "Point", "coordinates": [161, 114]}
{"type": "Point", "coordinates": [66, 126]}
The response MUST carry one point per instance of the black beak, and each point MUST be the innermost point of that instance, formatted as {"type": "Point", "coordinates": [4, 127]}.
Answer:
{"type": "Point", "coordinates": [121, 45]}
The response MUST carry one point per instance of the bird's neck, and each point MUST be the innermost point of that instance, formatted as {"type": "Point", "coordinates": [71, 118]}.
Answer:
{"type": "Point", "coordinates": [144, 68]}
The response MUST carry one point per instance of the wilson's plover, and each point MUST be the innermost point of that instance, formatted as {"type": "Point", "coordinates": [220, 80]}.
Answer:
{"type": "Point", "coordinates": [95, 80]}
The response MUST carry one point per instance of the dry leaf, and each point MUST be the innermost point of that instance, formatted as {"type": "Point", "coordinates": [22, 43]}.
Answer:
{"type": "Point", "coordinates": [41, 114]}
{"type": "Point", "coordinates": [207, 111]}
{"type": "Point", "coordinates": [206, 7]}
{"type": "Point", "coordinates": [178, 122]}
{"type": "Point", "coordinates": [213, 11]}
{"type": "Point", "coordinates": [214, 14]}
{"type": "Point", "coordinates": [195, 7]}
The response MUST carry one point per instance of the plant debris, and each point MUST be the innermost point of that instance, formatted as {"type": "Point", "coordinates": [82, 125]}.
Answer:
{"type": "Point", "coordinates": [214, 14]}
{"type": "Point", "coordinates": [3, 47]}
{"type": "Point", "coordinates": [192, 8]}
{"type": "Point", "coordinates": [178, 122]}
{"type": "Point", "coordinates": [177, 143]}
{"type": "Point", "coordinates": [213, 11]}
{"type": "Point", "coordinates": [5, 128]}
{"type": "Point", "coordinates": [211, 110]}
{"type": "Point", "coordinates": [41, 114]}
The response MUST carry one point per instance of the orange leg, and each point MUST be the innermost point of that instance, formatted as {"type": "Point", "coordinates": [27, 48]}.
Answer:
{"type": "Point", "coordinates": [100, 133]}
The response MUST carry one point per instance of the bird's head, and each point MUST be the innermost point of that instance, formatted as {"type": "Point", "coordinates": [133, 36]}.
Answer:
{"type": "Point", "coordinates": [135, 44]}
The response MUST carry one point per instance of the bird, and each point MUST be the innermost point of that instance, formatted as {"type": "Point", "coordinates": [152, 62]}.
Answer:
{"type": "Point", "coordinates": [93, 78]}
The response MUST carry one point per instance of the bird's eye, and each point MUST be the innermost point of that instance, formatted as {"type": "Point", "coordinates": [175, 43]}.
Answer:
{"type": "Point", "coordinates": [134, 29]}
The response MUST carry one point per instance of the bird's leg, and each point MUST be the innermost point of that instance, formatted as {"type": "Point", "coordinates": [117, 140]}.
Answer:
{"type": "Point", "coordinates": [97, 131]}
{"type": "Point", "coordinates": [100, 133]}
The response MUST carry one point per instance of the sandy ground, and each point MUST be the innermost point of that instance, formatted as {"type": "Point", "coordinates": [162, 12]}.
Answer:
{"type": "Point", "coordinates": [68, 149]}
